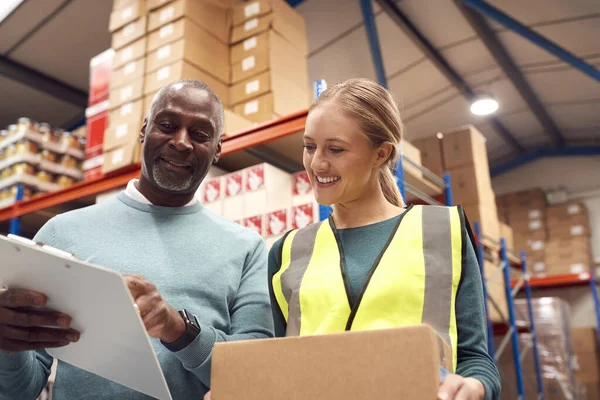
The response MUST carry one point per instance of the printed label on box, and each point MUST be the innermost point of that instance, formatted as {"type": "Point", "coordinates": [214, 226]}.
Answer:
{"type": "Point", "coordinates": [118, 156]}
{"type": "Point", "coordinates": [573, 209]}
{"type": "Point", "coordinates": [255, 224]}
{"type": "Point", "coordinates": [251, 24]}
{"type": "Point", "coordinates": [166, 14]}
{"type": "Point", "coordinates": [255, 178]}
{"type": "Point", "coordinates": [577, 268]}
{"type": "Point", "coordinates": [276, 222]}
{"type": "Point", "coordinates": [130, 68]}
{"type": "Point", "coordinates": [129, 29]}
{"type": "Point", "coordinates": [577, 230]}
{"type": "Point", "coordinates": [121, 131]}
{"type": "Point", "coordinates": [533, 225]}
{"type": "Point", "coordinates": [251, 43]}
{"type": "Point", "coordinates": [537, 245]}
{"type": "Point", "coordinates": [163, 73]}
{"type": "Point", "coordinates": [252, 86]}
{"type": "Point", "coordinates": [166, 31]}
{"type": "Point", "coordinates": [127, 54]}
{"type": "Point", "coordinates": [126, 109]}
{"type": "Point", "coordinates": [301, 184]}
{"type": "Point", "coordinates": [251, 107]}
{"type": "Point", "coordinates": [539, 267]}
{"type": "Point", "coordinates": [248, 63]}
{"type": "Point", "coordinates": [164, 52]}
{"type": "Point", "coordinates": [233, 184]}
{"type": "Point", "coordinates": [535, 214]}
{"type": "Point", "coordinates": [127, 13]}
{"type": "Point", "coordinates": [302, 216]}
{"type": "Point", "coordinates": [212, 191]}
{"type": "Point", "coordinates": [126, 93]}
{"type": "Point", "coordinates": [252, 9]}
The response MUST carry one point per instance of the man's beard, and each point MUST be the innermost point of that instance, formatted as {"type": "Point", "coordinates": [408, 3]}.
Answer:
{"type": "Point", "coordinates": [169, 183]}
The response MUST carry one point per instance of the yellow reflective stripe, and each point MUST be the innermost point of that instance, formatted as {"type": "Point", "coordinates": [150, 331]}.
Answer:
{"type": "Point", "coordinates": [457, 249]}
{"type": "Point", "coordinates": [285, 263]}
{"type": "Point", "coordinates": [323, 301]}
{"type": "Point", "coordinates": [396, 292]}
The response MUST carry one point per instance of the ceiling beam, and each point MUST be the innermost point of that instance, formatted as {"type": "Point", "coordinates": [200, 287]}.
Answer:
{"type": "Point", "coordinates": [500, 54]}
{"type": "Point", "coordinates": [392, 9]}
{"type": "Point", "coordinates": [42, 83]}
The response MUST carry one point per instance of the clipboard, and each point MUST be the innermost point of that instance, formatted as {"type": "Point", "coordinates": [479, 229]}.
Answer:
{"type": "Point", "coordinates": [113, 343]}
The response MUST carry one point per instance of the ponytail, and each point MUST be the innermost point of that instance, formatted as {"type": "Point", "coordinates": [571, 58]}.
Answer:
{"type": "Point", "coordinates": [389, 186]}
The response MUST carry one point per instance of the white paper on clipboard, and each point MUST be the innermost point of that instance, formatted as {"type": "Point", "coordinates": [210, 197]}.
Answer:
{"type": "Point", "coordinates": [113, 343]}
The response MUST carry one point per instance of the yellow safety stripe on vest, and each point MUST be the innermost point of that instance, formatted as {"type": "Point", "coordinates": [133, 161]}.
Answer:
{"type": "Point", "coordinates": [276, 282]}
{"type": "Point", "coordinates": [459, 251]}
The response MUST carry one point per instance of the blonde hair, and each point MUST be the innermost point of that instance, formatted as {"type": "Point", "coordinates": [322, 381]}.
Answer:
{"type": "Point", "coordinates": [377, 114]}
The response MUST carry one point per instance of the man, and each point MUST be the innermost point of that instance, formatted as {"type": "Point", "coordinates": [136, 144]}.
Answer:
{"type": "Point", "coordinates": [194, 264]}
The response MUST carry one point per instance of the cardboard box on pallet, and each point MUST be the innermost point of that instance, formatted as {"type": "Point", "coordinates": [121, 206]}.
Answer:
{"type": "Point", "coordinates": [128, 73]}
{"type": "Point", "coordinates": [487, 217]}
{"type": "Point", "coordinates": [496, 292]}
{"type": "Point", "coordinates": [302, 192]}
{"type": "Point", "coordinates": [472, 185]}
{"type": "Point", "coordinates": [267, 189]}
{"type": "Point", "coordinates": [125, 94]}
{"type": "Point", "coordinates": [268, 51]}
{"type": "Point", "coordinates": [322, 366]}
{"type": "Point", "coordinates": [568, 263]}
{"type": "Point", "coordinates": [234, 124]}
{"type": "Point", "coordinates": [431, 154]}
{"type": "Point", "coordinates": [233, 196]}
{"type": "Point", "coordinates": [303, 215]}
{"type": "Point", "coordinates": [129, 13]}
{"type": "Point", "coordinates": [129, 33]}
{"type": "Point", "coordinates": [184, 40]}
{"type": "Point", "coordinates": [587, 356]}
{"type": "Point", "coordinates": [129, 53]}
{"type": "Point", "coordinates": [465, 147]}
{"type": "Point", "coordinates": [121, 157]}
{"type": "Point", "coordinates": [288, 97]}
{"type": "Point", "coordinates": [566, 210]}
{"type": "Point", "coordinates": [226, 4]}
{"type": "Point", "coordinates": [270, 106]}
{"type": "Point", "coordinates": [270, 14]}
{"type": "Point", "coordinates": [212, 18]}
{"type": "Point", "coordinates": [567, 227]}
{"type": "Point", "coordinates": [183, 70]}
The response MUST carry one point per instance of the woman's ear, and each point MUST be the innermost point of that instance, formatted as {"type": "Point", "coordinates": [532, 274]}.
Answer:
{"type": "Point", "coordinates": [383, 153]}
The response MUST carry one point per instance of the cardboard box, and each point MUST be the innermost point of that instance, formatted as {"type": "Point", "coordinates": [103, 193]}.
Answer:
{"type": "Point", "coordinates": [472, 185]}
{"type": "Point", "coordinates": [120, 4]}
{"type": "Point", "coordinates": [234, 124]}
{"type": "Point", "coordinates": [128, 73]}
{"type": "Point", "coordinates": [197, 48]}
{"type": "Point", "coordinates": [125, 125]}
{"type": "Point", "coordinates": [266, 189]}
{"type": "Point", "coordinates": [183, 70]}
{"type": "Point", "coordinates": [122, 157]}
{"type": "Point", "coordinates": [465, 147]}
{"type": "Point", "coordinates": [577, 245]}
{"type": "Point", "coordinates": [276, 223]}
{"type": "Point", "coordinates": [129, 33]}
{"type": "Point", "coordinates": [568, 263]}
{"type": "Point", "coordinates": [126, 94]}
{"type": "Point", "coordinates": [212, 193]}
{"type": "Point", "coordinates": [132, 52]}
{"type": "Point", "coordinates": [271, 106]}
{"type": "Point", "coordinates": [233, 201]}
{"type": "Point", "coordinates": [528, 199]}
{"type": "Point", "coordinates": [283, 19]}
{"type": "Point", "coordinates": [575, 227]}
{"type": "Point", "coordinates": [96, 123]}
{"type": "Point", "coordinates": [487, 217]}
{"type": "Point", "coordinates": [255, 223]}
{"type": "Point", "coordinates": [567, 220]}
{"type": "Point", "coordinates": [154, 4]}
{"type": "Point", "coordinates": [566, 210]}
{"type": "Point", "coordinates": [131, 12]}
{"type": "Point", "coordinates": [147, 103]}
{"type": "Point", "coordinates": [506, 232]}
{"type": "Point", "coordinates": [413, 154]}
{"type": "Point", "coordinates": [272, 52]}
{"type": "Point", "coordinates": [101, 67]}
{"type": "Point", "coordinates": [584, 340]}
{"type": "Point", "coordinates": [431, 154]}
{"type": "Point", "coordinates": [325, 367]}
{"type": "Point", "coordinates": [213, 19]}
{"type": "Point", "coordinates": [296, 97]}
{"type": "Point", "coordinates": [303, 215]}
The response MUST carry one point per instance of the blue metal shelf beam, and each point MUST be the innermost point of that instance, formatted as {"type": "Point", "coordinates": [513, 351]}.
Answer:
{"type": "Point", "coordinates": [393, 10]}
{"type": "Point", "coordinates": [371, 29]}
{"type": "Point", "coordinates": [534, 37]}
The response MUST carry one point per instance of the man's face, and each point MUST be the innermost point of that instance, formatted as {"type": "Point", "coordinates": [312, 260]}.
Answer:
{"type": "Point", "coordinates": [181, 139]}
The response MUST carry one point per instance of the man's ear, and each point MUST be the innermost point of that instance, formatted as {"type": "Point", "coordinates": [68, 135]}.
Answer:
{"type": "Point", "coordinates": [143, 130]}
{"type": "Point", "coordinates": [383, 153]}
{"type": "Point", "coordinates": [218, 153]}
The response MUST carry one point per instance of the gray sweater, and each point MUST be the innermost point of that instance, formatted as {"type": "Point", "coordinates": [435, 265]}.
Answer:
{"type": "Point", "coordinates": [198, 261]}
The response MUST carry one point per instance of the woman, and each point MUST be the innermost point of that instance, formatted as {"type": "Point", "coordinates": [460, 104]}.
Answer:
{"type": "Point", "coordinates": [399, 266]}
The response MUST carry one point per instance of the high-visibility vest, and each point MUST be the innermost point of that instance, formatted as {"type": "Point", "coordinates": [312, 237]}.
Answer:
{"type": "Point", "coordinates": [413, 281]}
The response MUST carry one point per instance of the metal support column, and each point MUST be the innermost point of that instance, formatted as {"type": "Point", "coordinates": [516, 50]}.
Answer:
{"type": "Point", "coordinates": [594, 288]}
{"type": "Point", "coordinates": [371, 28]}
{"type": "Point", "coordinates": [512, 320]}
{"type": "Point", "coordinates": [399, 175]}
{"type": "Point", "coordinates": [536, 355]}
{"type": "Point", "coordinates": [480, 257]}
{"type": "Point", "coordinates": [448, 189]}
{"type": "Point", "coordinates": [15, 223]}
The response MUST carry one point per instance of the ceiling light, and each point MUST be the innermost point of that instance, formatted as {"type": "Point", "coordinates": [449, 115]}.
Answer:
{"type": "Point", "coordinates": [484, 105]}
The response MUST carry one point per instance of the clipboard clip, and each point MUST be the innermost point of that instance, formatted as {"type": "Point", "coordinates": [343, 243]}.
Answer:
{"type": "Point", "coordinates": [50, 249]}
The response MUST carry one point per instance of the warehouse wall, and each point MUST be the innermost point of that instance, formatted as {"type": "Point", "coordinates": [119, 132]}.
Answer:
{"type": "Point", "coordinates": [579, 177]}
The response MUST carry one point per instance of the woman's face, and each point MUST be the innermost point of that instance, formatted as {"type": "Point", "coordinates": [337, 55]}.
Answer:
{"type": "Point", "coordinates": [340, 161]}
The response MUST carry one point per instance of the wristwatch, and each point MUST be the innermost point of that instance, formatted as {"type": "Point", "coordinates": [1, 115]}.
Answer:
{"type": "Point", "coordinates": [192, 331]}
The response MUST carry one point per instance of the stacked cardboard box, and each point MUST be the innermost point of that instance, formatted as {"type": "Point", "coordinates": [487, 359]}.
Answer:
{"type": "Point", "coordinates": [497, 304]}
{"type": "Point", "coordinates": [525, 212]}
{"type": "Point", "coordinates": [268, 60]}
{"type": "Point", "coordinates": [568, 250]}
{"type": "Point", "coordinates": [585, 348]}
